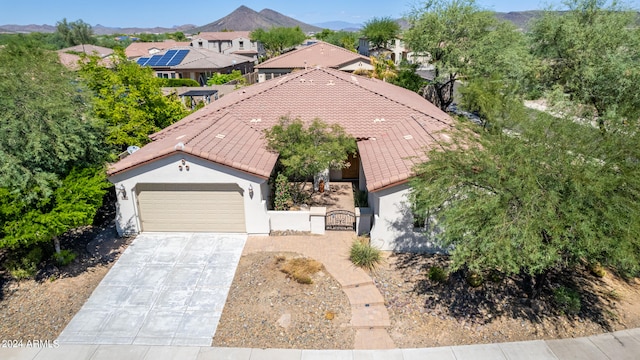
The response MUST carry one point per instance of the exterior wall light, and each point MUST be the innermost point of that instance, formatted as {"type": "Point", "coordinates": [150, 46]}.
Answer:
{"type": "Point", "coordinates": [250, 191]}
{"type": "Point", "coordinates": [122, 192]}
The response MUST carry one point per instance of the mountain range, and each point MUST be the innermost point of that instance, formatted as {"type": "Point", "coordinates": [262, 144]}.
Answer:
{"type": "Point", "coordinates": [246, 19]}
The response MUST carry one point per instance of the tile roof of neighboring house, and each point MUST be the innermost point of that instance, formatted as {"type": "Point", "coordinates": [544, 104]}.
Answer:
{"type": "Point", "coordinates": [222, 35]}
{"type": "Point", "coordinates": [393, 125]}
{"type": "Point", "coordinates": [138, 49]}
{"type": "Point", "coordinates": [320, 54]}
{"type": "Point", "coordinates": [89, 50]}
{"type": "Point", "coordinates": [208, 59]}
{"type": "Point", "coordinates": [72, 61]}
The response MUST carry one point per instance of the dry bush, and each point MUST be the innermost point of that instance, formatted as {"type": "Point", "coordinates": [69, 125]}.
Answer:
{"type": "Point", "coordinates": [300, 269]}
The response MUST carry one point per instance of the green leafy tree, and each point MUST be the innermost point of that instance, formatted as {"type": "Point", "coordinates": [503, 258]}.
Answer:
{"type": "Point", "coordinates": [408, 78]}
{"type": "Point", "coordinates": [592, 53]}
{"type": "Point", "coordinates": [278, 39]}
{"type": "Point", "coordinates": [220, 79]}
{"type": "Point", "coordinates": [308, 150]}
{"type": "Point", "coordinates": [379, 31]}
{"type": "Point", "coordinates": [345, 39]}
{"type": "Point", "coordinates": [51, 177]}
{"type": "Point", "coordinates": [464, 42]}
{"type": "Point", "coordinates": [534, 195]}
{"type": "Point", "coordinates": [75, 33]}
{"type": "Point", "coordinates": [129, 99]}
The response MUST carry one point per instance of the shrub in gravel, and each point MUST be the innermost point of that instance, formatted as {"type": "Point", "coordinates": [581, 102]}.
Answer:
{"type": "Point", "coordinates": [437, 274]}
{"type": "Point", "coordinates": [364, 255]}
{"type": "Point", "coordinates": [26, 266]}
{"type": "Point", "coordinates": [300, 269]}
{"type": "Point", "coordinates": [567, 299]}
{"type": "Point", "coordinates": [474, 279]}
{"type": "Point", "coordinates": [597, 270]}
{"type": "Point", "coordinates": [64, 258]}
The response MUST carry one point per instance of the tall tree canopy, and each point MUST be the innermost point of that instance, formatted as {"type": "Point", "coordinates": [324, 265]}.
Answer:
{"type": "Point", "coordinates": [129, 99]}
{"type": "Point", "coordinates": [379, 31]}
{"type": "Point", "coordinates": [51, 177]}
{"type": "Point", "coordinates": [278, 39]}
{"type": "Point", "coordinates": [464, 42]}
{"type": "Point", "coordinates": [592, 52]}
{"type": "Point", "coordinates": [75, 33]}
{"type": "Point", "coordinates": [345, 39]}
{"type": "Point", "coordinates": [534, 193]}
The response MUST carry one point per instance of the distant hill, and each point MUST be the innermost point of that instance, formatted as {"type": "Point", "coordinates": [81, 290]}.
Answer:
{"type": "Point", "coordinates": [246, 19]}
{"type": "Point", "coordinates": [29, 28]}
{"type": "Point", "coordinates": [105, 30]}
{"type": "Point", "coordinates": [339, 25]}
{"type": "Point", "coordinates": [520, 19]}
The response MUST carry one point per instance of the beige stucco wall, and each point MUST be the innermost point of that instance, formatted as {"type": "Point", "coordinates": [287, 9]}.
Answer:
{"type": "Point", "coordinates": [166, 170]}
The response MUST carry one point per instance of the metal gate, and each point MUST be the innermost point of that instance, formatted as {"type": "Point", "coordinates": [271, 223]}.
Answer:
{"type": "Point", "coordinates": [340, 220]}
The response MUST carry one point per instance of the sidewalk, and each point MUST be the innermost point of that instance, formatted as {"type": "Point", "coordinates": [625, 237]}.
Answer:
{"type": "Point", "coordinates": [613, 346]}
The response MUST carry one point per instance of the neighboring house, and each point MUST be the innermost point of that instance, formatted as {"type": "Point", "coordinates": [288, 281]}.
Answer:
{"type": "Point", "coordinates": [210, 171]}
{"type": "Point", "coordinates": [229, 42]}
{"type": "Point", "coordinates": [395, 49]}
{"type": "Point", "coordinates": [196, 64]}
{"type": "Point", "coordinates": [70, 56]}
{"type": "Point", "coordinates": [139, 49]}
{"type": "Point", "coordinates": [318, 54]}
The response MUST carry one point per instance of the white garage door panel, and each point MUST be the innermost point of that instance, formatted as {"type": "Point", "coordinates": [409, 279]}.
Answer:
{"type": "Point", "coordinates": [191, 207]}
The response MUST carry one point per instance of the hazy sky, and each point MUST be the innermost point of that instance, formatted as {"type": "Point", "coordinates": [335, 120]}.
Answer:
{"type": "Point", "coordinates": [167, 13]}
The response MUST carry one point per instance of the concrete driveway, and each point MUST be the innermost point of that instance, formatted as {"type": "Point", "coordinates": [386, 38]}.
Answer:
{"type": "Point", "coordinates": [166, 289]}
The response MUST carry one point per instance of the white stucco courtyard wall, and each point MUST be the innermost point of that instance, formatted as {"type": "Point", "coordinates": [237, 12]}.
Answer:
{"type": "Point", "coordinates": [166, 170]}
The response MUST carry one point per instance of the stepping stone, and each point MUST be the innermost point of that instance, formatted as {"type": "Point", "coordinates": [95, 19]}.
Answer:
{"type": "Point", "coordinates": [363, 295]}
{"type": "Point", "coordinates": [369, 317]}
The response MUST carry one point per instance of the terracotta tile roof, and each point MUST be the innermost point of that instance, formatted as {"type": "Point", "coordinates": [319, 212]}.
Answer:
{"type": "Point", "coordinates": [88, 49]}
{"type": "Point", "coordinates": [138, 49]}
{"type": "Point", "coordinates": [393, 124]}
{"type": "Point", "coordinates": [320, 54]}
{"type": "Point", "coordinates": [222, 35]}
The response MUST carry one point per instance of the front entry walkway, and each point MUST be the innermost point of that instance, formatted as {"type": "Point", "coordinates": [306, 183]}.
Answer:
{"type": "Point", "coordinates": [369, 316]}
{"type": "Point", "coordinates": [166, 289]}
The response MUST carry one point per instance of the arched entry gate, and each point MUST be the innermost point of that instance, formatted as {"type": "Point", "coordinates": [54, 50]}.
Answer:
{"type": "Point", "coordinates": [343, 220]}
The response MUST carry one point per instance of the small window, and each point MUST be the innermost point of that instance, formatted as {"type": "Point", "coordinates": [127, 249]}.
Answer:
{"type": "Point", "coordinates": [241, 44]}
{"type": "Point", "coordinates": [199, 43]}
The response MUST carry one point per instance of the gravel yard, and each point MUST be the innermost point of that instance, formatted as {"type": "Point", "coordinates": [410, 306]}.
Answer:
{"type": "Point", "coordinates": [266, 308]}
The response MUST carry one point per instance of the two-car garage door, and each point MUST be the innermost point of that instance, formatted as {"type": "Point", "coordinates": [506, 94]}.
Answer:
{"type": "Point", "coordinates": [191, 207]}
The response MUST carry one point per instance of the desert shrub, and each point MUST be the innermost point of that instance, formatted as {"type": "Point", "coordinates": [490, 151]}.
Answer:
{"type": "Point", "coordinates": [64, 258]}
{"type": "Point", "coordinates": [360, 198]}
{"type": "Point", "coordinates": [282, 198]}
{"type": "Point", "coordinates": [437, 274]}
{"type": "Point", "coordinates": [364, 255]}
{"type": "Point", "coordinates": [26, 266]}
{"type": "Point", "coordinates": [567, 299]}
{"type": "Point", "coordinates": [597, 270]}
{"type": "Point", "coordinates": [300, 269]}
{"type": "Point", "coordinates": [474, 279]}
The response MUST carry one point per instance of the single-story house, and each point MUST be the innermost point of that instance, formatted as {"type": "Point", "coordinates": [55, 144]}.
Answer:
{"type": "Point", "coordinates": [210, 171]}
{"type": "Point", "coordinates": [196, 64]}
{"type": "Point", "coordinates": [318, 54]}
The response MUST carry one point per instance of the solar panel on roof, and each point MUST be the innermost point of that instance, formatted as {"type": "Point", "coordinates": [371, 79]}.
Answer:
{"type": "Point", "coordinates": [178, 57]}
{"type": "Point", "coordinates": [154, 60]}
{"type": "Point", "coordinates": [166, 58]}
{"type": "Point", "coordinates": [142, 61]}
